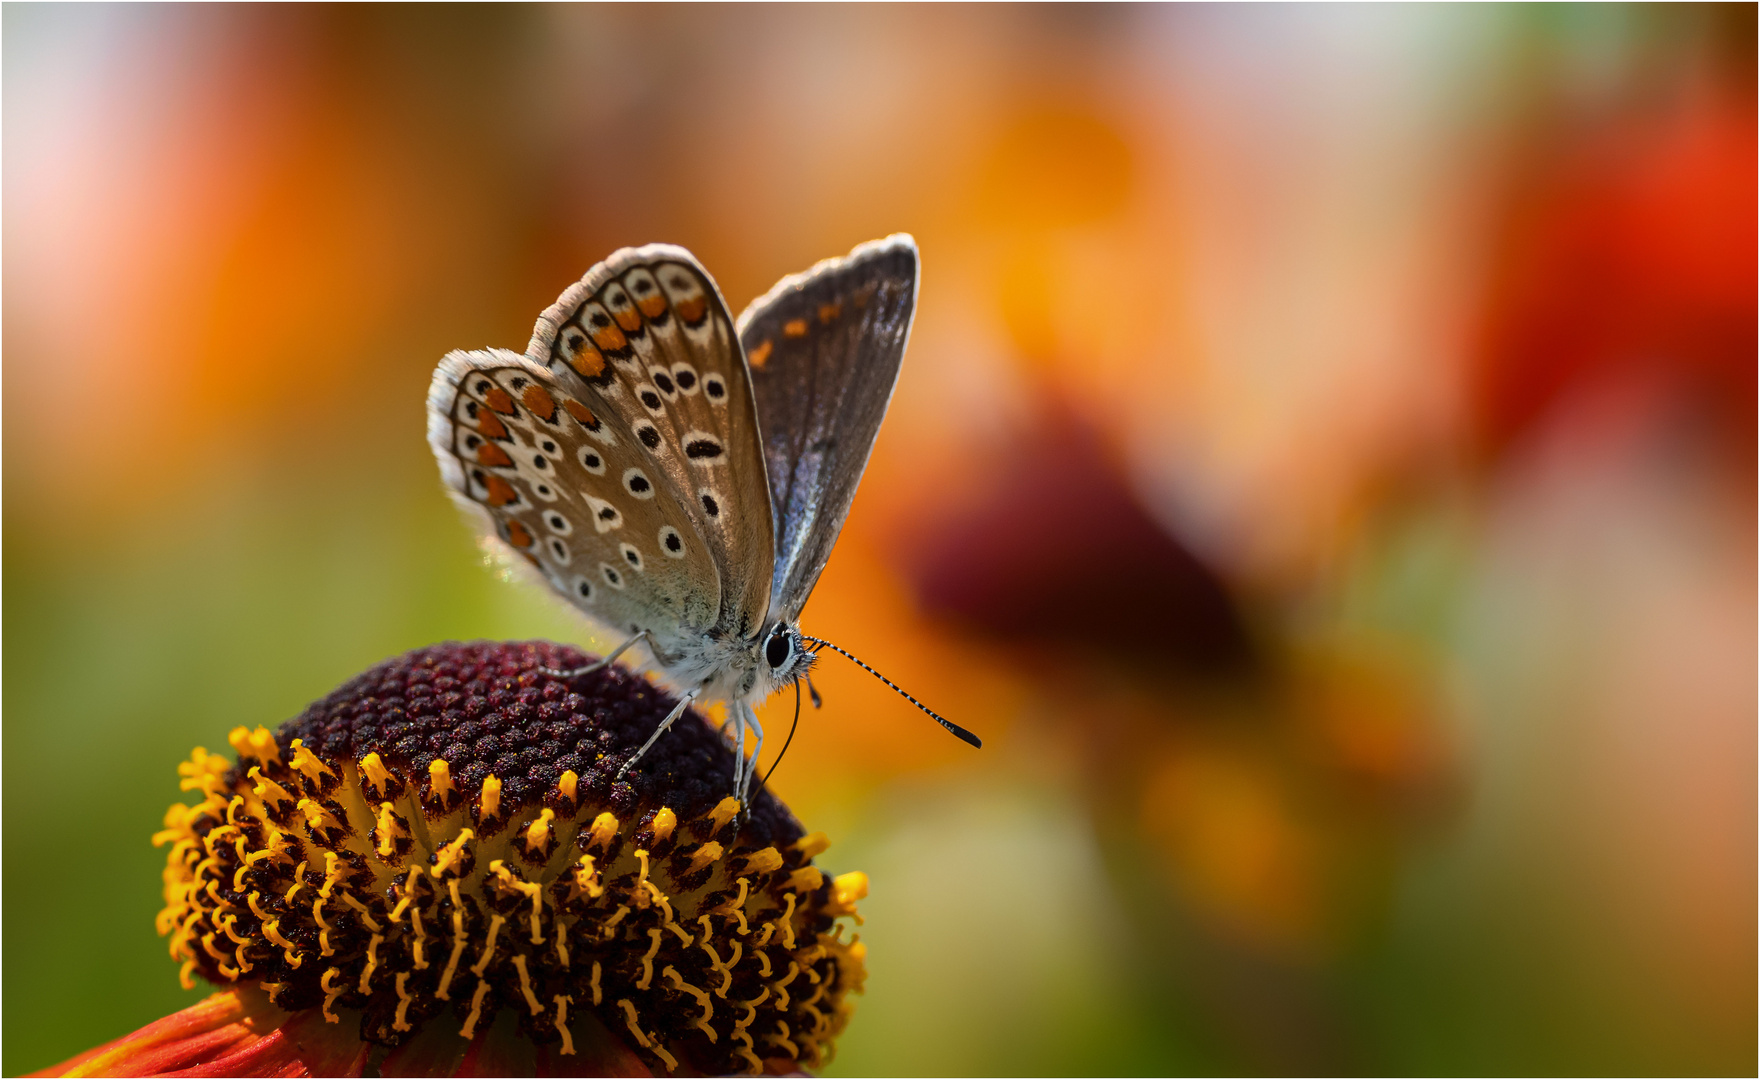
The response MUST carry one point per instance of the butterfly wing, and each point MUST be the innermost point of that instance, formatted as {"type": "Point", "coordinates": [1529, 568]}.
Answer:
{"type": "Point", "coordinates": [824, 349]}
{"type": "Point", "coordinates": [646, 337]}
{"type": "Point", "coordinates": [556, 480]}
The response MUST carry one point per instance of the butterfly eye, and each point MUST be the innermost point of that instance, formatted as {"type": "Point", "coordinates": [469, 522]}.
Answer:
{"type": "Point", "coordinates": [778, 649]}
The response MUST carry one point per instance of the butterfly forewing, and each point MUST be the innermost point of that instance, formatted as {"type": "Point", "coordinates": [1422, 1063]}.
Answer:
{"type": "Point", "coordinates": [824, 349]}
{"type": "Point", "coordinates": [566, 489]}
{"type": "Point", "coordinates": [646, 340]}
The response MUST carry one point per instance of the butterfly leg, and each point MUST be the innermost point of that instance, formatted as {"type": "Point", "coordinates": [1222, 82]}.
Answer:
{"type": "Point", "coordinates": [757, 752]}
{"type": "Point", "coordinates": [601, 662]}
{"type": "Point", "coordinates": [677, 711]}
{"type": "Point", "coordinates": [739, 755]}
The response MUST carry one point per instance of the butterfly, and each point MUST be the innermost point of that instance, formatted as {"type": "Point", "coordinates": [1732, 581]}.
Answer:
{"type": "Point", "coordinates": [677, 474]}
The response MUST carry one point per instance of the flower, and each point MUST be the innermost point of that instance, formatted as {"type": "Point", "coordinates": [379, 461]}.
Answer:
{"type": "Point", "coordinates": [438, 866]}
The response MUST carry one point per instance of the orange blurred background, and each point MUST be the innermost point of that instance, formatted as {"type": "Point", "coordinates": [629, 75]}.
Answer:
{"type": "Point", "coordinates": [1323, 471]}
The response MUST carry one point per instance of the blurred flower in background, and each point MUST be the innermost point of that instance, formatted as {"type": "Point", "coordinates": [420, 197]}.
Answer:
{"type": "Point", "coordinates": [1322, 471]}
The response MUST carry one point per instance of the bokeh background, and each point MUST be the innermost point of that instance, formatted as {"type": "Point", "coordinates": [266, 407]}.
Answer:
{"type": "Point", "coordinates": [1323, 471]}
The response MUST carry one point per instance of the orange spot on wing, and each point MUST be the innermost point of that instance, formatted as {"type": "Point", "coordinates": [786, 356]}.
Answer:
{"type": "Point", "coordinates": [580, 412]}
{"type": "Point", "coordinates": [761, 354]}
{"type": "Point", "coordinates": [490, 427]}
{"type": "Point", "coordinates": [692, 310]}
{"type": "Point", "coordinates": [492, 455]}
{"type": "Point", "coordinates": [588, 362]}
{"type": "Point", "coordinates": [541, 404]}
{"type": "Point", "coordinates": [610, 338]}
{"type": "Point", "coordinates": [499, 400]}
{"type": "Point", "coordinates": [628, 318]}
{"type": "Point", "coordinates": [500, 491]}
{"type": "Point", "coordinates": [653, 306]}
{"type": "Point", "coordinates": [794, 328]}
{"type": "Point", "coordinates": [518, 536]}
{"type": "Point", "coordinates": [827, 312]}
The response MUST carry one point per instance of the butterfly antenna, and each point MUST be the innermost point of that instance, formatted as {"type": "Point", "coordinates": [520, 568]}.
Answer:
{"type": "Point", "coordinates": [792, 725]}
{"type": "Point", "coordinates": [958, 732]}
{"type": "Point", "coordinates": [813, 692]}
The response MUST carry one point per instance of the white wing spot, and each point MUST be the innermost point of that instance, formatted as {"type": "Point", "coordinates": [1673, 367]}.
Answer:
{"type": "Point", "coordinates": [560, 550]}
{"type": "Point", "coordinates": [612, 577]}
{"type": "Point", "coordinates": [716, 389]}
{"type": "Point", "coordinates": [631, 555]}
{"type": "Point", "coordinates": [592, 461]}
{"type": "Point", "coordinates": [702, 446]}
{"type": "Point", "coordinates": [671, 543]}
{"type": "Point", "coordinates": [583, 588]}
{"type": "Point", "coordinates": [685, 378]}
{"type": "Point", "coordinates": [711, 502]}
{"type": "Point", "coordinates": [559, 525]}
{"type": "Point", "coordinates": [649, 396]}
{"type": "Point", "coordinates": [605, 516]}
{"type": "Point", "coordinates": [636, 482]}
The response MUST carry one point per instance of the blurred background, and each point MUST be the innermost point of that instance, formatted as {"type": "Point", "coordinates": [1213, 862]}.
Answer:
{"type": "Point", "coordinates": [1323, 472]}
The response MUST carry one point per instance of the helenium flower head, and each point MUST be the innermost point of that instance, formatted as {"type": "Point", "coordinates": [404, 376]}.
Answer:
{"type": "Point", "coordinates": [437, 868]}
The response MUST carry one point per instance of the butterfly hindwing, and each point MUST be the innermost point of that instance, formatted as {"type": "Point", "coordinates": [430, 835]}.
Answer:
{"type": "Point", "coordinates": [567, 490]}
{"type": "Point", "coordinates": [824, 349]}
{"type": "Point", "coordinates": [645, 341]}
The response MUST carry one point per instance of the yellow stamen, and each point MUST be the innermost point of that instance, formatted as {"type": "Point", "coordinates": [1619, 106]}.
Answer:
{"type": "Point", "coordinates": [470, 1024]}
{"type": "Point", "coordinates": [307, 762]}
{"type": "Point", "coordinates": [372, 962]}
{"type": "Point", "coordinates": [562, 1004]}
{"type": "Point", "coordinates": [404, 1001]}
{"type": "Point", "coordinates": [440, 779]}
{"type": "Point", "coordinates": [525, 984]}
{"type": "Point", "coordinates": [629, 1019]}
{"type": "Point", "coordinates": [491, 798]}
{"type": "Point", "coordinates": [812, 845]}
{"type": "Point", "coordinates": [602, 831]}
{"type": "Point", "coordinates": [569, 784]}
{"type": "Point", "coordinates": [373, 767]}
{"type": "Point", "coordinates": [258, 744]}
{"type": "Point", "coordinates": [331, 993]}
{"type": "Point", "coordinates": [267, 789]}
{"type": "Point", "coordinates": [722, 814]}
{"type": "Point", "coordinates": [538, 832]}
{"type": "Point", "coordinates": [488, 954]}
{"type": "Point", "coordinates": [452, 854]}
{"type": "Point", "coordinates": [664, 822]}
{"type": "Point", "coordinates": [703, 856]}
{"type": "Point", "coordinates": [389, 830]}
{"type": "Point", "coordinates": [648, 961]}
{"type": "Point", "coordinates": [765, 861]}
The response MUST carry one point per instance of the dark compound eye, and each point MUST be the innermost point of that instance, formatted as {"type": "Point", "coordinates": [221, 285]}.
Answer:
{"type": "Point", "coordinates": [777, 650]}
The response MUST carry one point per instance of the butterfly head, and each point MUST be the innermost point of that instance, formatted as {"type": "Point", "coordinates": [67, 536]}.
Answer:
{"type": "Point", "coordinates": [785, 658]}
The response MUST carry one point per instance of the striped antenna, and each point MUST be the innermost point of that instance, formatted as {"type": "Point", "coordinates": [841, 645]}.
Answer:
{"type": "Point", "coordinates": [958, 731]}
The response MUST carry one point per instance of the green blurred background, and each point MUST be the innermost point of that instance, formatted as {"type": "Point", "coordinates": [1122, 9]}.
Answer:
{"type": "Point", "coordinates": [1323, 472]}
